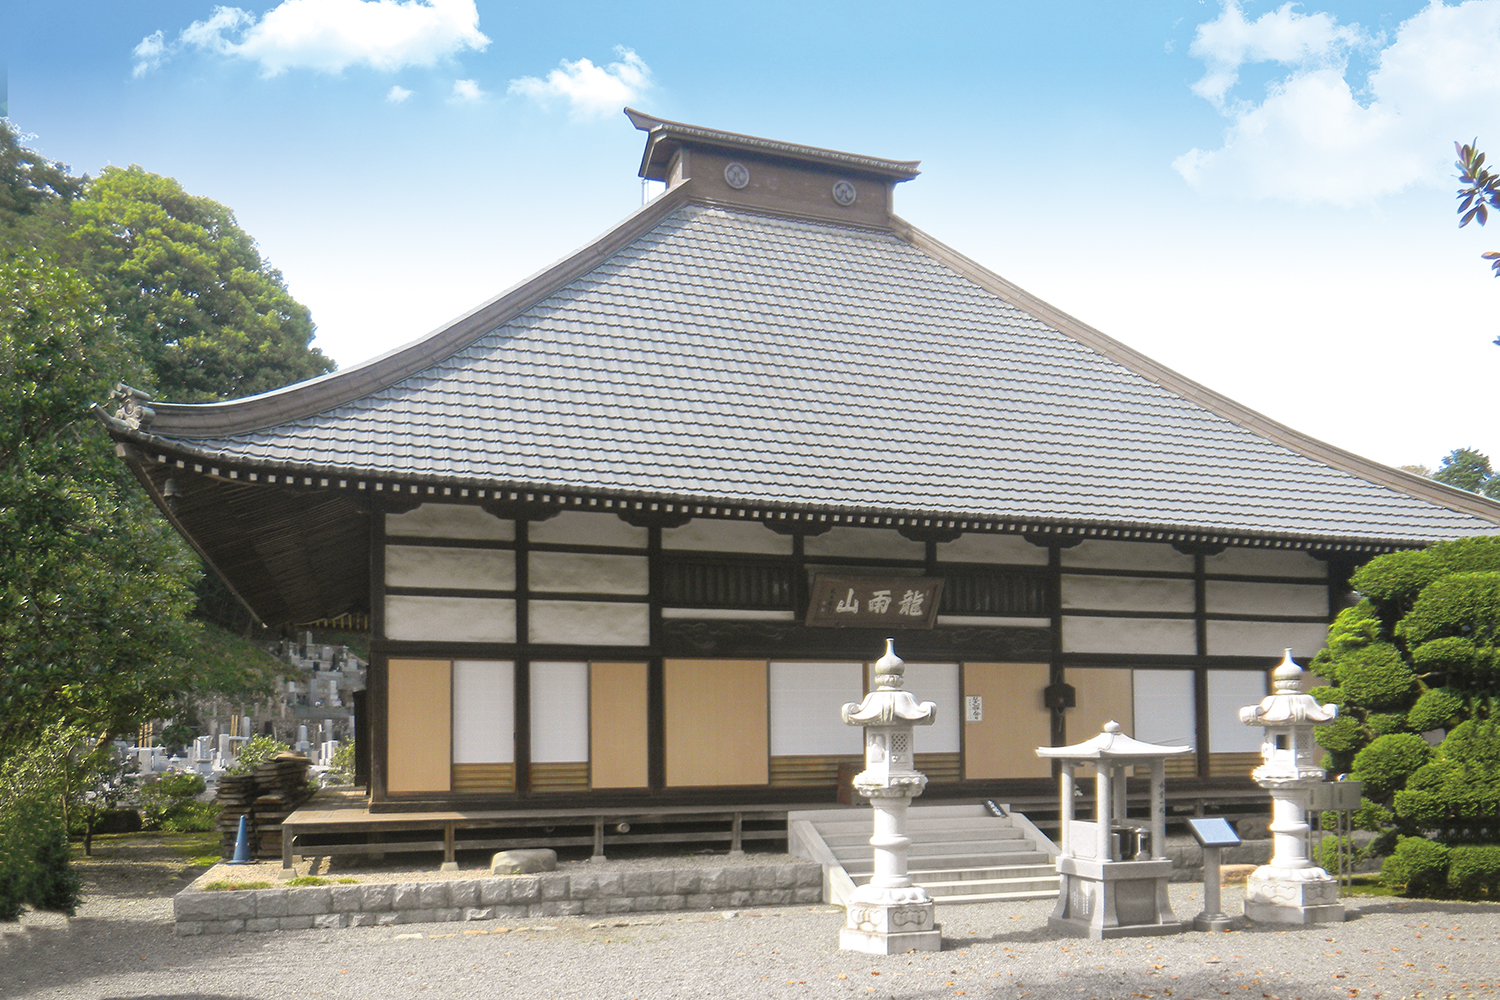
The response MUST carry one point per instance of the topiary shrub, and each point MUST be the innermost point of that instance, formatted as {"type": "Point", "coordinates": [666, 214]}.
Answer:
{"type": "Point", "coordinates": [1397, 578]}
{"type": "Point", "coordinates": [1385, 723]}
{"type": "Point", "coordinates": [1387, 762]}
{"type": "Point", "coordinates": [1465, 605]}
{"type": "Point", "coordinates": [1376, 677]}
{"type": "Point", "coordinates": [1460, 786]}
{"type": "Point", "coordinates": [1469, 555]}
{"type": "Point", "coordinates": [1326, 853]}
{"type": "Point", "coordinates": [1437, 708]}
{"type": "Point", "coordinates": [1474, 871]}
{"type": "Point", "coordinates": [1418, 867]}
{"type": "Point", "coordinates": [1354, 628]}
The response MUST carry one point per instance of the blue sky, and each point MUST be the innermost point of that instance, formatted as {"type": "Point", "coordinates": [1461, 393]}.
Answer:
{"type": "Point", "coordinates": [1257, 195]}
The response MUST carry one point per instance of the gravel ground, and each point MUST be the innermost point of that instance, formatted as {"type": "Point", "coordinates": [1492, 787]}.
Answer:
{"type": "Point", "coordinates": [125, 948]}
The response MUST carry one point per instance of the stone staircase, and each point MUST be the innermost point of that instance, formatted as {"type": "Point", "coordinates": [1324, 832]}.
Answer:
{"type": "Point", "coordinates": [976, 853]}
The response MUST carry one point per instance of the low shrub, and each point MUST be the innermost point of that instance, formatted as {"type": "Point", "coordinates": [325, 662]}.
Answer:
{"type": "Point", "coordinates": [105, 821]}
{"type": "Point", "coordinates": [162, 796]}
{"type": "Point", "coordinates": [1474, 871]}
{"type": "Point", "coordinates": [257, 750]}
{"type": "Point", "coordinates": [1418, 867]}
{"type": "Point", "coordinates": [191, 817]}
{"type": "Point", "coordinates": [54, 885]}
{"type": "Point", "coordinates": [1325, 854]}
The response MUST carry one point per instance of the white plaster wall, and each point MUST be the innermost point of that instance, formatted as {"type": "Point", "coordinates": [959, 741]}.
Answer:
{"type": "Point", "coordinates": [455, 619]}
{"type": "Point", "coordinates": [1165, 709]}
{"type": "Point", "coordinates": [1119, 593]}
{"type": "Point", "coordinates": [938, 683]}
{"type": "Point", "coordinates": [707, 534]}
{"type": "Point", "coordinates": [1228, 597]}
{"type": "Point", "coordinates": [868, 543]}
{"type": "Point", "coordinates": [1266, 562]}
{"type": "Point", "coordinates": [981, 547]}
{"type": "Point", "coordinates": [582, 527]}
{"type": "Point", "coordinates": [474, 569]}
{"type": "Point", "coordinates": [589, 573]}
{"type": "Point", "coordinates": [447, 520]}
{"type": "Point", "coordinates": [1265, 638]}
{"type": "Point", "coordinates": [805, 701]}
{"type": "Point", "coordinates": [590, 622]}
{"type": "Point", "coordinates": [1228, 692]}
{"type": "Point", "coordinates": [1128, 635]}
{"type": "Point", "coordinates": [484, 713]}
{"type": "Point", "coordinates": [559, 711]}
{"type": "Point", "coordinates": [1096, 553]}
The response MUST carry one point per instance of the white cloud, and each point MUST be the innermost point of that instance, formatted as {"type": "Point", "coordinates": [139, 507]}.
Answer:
{"type": "Point", "coordinates": [1317, 136]}
{"type": "Point", "coordinates": [329, 35]}
{"type": "Point", "coordinates": [591, 91]}
{"type": "Point", "coordinates": [466, 90]}
{"type": "Point", "coordinates": [149, 53]}
{"type": "Point", "coordinates": [397, 94]}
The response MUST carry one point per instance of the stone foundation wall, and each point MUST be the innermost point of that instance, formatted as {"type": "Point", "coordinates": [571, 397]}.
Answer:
{"type": "Point", "coordinates": [517, 897]}
{"type": "Point", "coordinates": [1187, 859]}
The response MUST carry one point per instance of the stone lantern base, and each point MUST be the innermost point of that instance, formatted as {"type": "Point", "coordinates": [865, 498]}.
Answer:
{"type": "Point", "coordinates": [1292, 896]}
{"type": "Point", "coordinates": [879, 928]}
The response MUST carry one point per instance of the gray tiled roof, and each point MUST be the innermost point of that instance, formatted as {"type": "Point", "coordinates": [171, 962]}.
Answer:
{"type": "Point", "coordinates": [730, 356]}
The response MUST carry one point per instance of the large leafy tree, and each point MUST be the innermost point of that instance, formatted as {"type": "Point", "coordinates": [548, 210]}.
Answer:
{"type": "Point", "coordinates": [1469, 470]}
{"type": "Point", "coordinates": [212, 318]}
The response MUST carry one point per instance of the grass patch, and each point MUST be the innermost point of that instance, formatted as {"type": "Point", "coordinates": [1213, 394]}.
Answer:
{"type": "Point", "coordinates": [204, 861]}
{"type": "Point", "coordinates": [1368, 885]}
{"type": "Point", "coordinates": [348, 881]}
{"type": "Point", "coordinates": [305, 880]}
{"type": "Point", "coordinates": [223, 886]}
{"type": "Point", "coordinates": [197, 846]}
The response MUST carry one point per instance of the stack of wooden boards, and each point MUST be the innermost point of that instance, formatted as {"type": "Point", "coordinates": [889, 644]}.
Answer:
{"type": "Point", "coordinates": [267, 796]}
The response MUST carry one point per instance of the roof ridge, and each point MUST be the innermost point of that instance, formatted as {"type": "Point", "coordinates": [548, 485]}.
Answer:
{"type": "Point", "coordinates": [1449, 497]}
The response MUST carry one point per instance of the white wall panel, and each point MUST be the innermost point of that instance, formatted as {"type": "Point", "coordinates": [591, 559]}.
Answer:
{"type": "Point", "coordinates": [590, 623]}
{"type": "Point", "coordinates": [1128, 635]}
{"type": "Point", "coordinates": [447, 520]}
{"type": "Point", "coordinates": [1124, 593]}
{"type": "Point", "coordinates": [559, 711]}
{"type": "Point", "coordinates": [581, 527]}
{"type": "Point", "coordinates": [706, 534]}
{"type": "Point", "coordinates": [983, 547]}
{"type": "Point", "coordinates": [938, 683]}
{"type": "Point", "coordinates": [806, 699]}
{"type": "Point", "coordinates": [1265, 638]}
{"type": "Point", "coordinates": [1266, 562]}
{"type": "Point", "coordinates": [484, 715]}
{"type": "Point", "coordinates": [1228, 597]}
{"type": "Point", "coordinates": [1228, 692]}
{"type": "Point", "coordinates": [455, 619]}
{"type": "Point", "coordinates": [868, 543]}
{"type": "Point", "coordinates": [1095, 553]}
{"type": "Point", "coordinates": [474, 569]}
{"type": "Point", "coordinates": [589, 573]}
{"type": "Point", "coordinates": [1165, 709]}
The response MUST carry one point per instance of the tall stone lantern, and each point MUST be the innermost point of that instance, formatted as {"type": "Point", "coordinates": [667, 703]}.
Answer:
{"type": "Point", "coordinates": [889, 914]}
{"type": "Point", "coordinates": [1291, 889]}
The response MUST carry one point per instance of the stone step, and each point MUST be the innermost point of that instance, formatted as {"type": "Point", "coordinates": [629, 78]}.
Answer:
{"type": "Point", "coordinates": [862, 821]}
{"type": "Point", "coordinates": [989, 886]}
{"type": "Point", "coordinates": [995, 897]}
{"type": "Point", "coordinates": [1000, 848]}
{"type": "Point", "coordinates": [866, 866]}
{"type": "Point", "coordinates": [993, 831]}
{"type": "Point", "coordinates": [925, 875]}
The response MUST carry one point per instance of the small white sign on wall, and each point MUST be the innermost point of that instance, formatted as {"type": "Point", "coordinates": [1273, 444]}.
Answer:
{"type": "Point", "coordinates": [974, 708]}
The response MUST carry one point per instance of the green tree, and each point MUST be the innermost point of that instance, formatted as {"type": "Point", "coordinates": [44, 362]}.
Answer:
{"type": "Point", "coordinates": [95, 589]}
{"type": "Point", "coordinates": [212, 318]}
{"type": "Point", "coordinates": [1470, 470]}
{"type": "Point", "coordinates": [1480, 193]}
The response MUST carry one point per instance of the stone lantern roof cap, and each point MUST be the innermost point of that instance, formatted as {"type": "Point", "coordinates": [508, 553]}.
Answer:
{"type": "Point", "coordinates": [1289, 704]}
{"type": "Point", "coordinates": [1111, 744]}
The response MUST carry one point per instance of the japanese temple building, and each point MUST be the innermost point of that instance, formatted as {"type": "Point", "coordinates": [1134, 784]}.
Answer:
{"type": "Point", "coordinates": [633, 530]}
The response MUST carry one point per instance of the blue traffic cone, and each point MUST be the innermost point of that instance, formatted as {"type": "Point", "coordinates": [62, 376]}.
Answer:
{"type": "Point", "coordinates": [242, 843]}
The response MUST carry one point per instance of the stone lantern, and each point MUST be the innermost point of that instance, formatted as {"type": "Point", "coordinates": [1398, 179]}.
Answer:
{"type": "Point", "coordinates": [890, 914]}
{"type": "Point", "coordinates": [1291, 889]}
{"type": "Point", "coordinates": [1114, 875]}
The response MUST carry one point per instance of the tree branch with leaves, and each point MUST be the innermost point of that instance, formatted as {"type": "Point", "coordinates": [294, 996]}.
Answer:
{"type": "Point", "coordinates": [1479, 194]}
